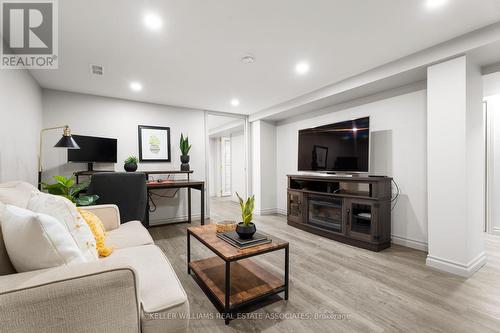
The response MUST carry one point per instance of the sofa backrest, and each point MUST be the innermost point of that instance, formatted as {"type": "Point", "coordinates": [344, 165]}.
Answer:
{"type": "Point", "coordinates": [16, 194]}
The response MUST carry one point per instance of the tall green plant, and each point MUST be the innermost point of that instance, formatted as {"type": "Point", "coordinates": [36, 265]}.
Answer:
{"type": "Point", "coordinates": [184, 145]}
{"type": "Point", "coordinates": [66, 187]}
{"type": "Point", "coordinates": [246, 209]}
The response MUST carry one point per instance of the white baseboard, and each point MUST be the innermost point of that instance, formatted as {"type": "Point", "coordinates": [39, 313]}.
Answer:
{"type": "Point", "coordinates": [268, 211]}
{"type": "Point", "coordinates": [407, 242]}
{"type": "Point", "coordinates": [457, 268]}
{"type": "Point", "coordinates": [281, 211]}
{"type": "Point", "coordinates": [176, 219]}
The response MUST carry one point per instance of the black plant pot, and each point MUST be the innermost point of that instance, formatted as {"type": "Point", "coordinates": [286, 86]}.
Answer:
{"type": "Point", "coordinates": [130, 167]}
{"type": "Point", "coordinates": [185, 162]}
{"type": "Point", "coordinates": [245, 232]}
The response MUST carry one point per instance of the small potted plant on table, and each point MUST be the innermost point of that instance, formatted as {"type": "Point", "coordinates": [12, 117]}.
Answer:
{"type": "Point", "coordinates": [185, 148]}
{"type": "Point", "coordinates": [130, 164]}
{"type": "Point", "coordinates": [246, 229]}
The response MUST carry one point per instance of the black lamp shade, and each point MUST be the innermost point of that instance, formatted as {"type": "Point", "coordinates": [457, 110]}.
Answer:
{"type": "Point", "coordinates": [67, 142]}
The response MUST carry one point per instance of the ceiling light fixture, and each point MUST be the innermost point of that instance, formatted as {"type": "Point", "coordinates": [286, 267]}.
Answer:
{"type": "Point", "coordinates": [435, 3]}
{"type": "Point", "coordinates": [302, 68]}
{"type": "Point", "coordinates": [248, 59]}
{"type": "Point", "coordinates": [153, 22]}
{"type": "Point", "coordinates": [135, 86]}
{"type": "Point", "coordinates": [235, 102]}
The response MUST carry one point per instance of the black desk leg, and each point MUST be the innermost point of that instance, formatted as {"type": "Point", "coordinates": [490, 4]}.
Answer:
{"type": "Point", "coordinates": [188, 252]}
{"type": "Point", "coordinates": [189, 204]}
{"type": "Point", "coordinates": [146, 215]}
{"type": "Point", "coordinates": [227, 294]}
{"type": "Point", "coordinates": [202, 190]}
{"type": "Point", "coordinates": [287, 255]}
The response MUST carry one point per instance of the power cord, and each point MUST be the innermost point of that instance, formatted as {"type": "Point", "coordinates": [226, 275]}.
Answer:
{"type": "Point", "coordinates": [395, 198]}
{"type": "Point", "coordinates": [152, 206]}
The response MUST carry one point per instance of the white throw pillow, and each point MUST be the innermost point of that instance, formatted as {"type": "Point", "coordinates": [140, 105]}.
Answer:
{"type": "Point", "coordinates": [16, 193]}
{"type": "Point", "coordinates": [65, 212]}
{"type": "Point", "coordinates": [36, 241]}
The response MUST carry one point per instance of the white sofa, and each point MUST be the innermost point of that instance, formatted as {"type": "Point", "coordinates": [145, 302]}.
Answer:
{"type": "Point", "coordinates": [134, 289]}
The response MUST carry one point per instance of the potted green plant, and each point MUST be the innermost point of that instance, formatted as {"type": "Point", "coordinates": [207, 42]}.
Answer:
{"type": "Point", "coordinates": [185, 148]}
{"type": "Point", "coordinates": [67, 188]}
{"type": "Point", "coordinates": [246, 229]}
{"type": "Point", "coordinates": [130, 164]}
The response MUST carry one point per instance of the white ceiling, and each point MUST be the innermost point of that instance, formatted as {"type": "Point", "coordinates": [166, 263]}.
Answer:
{"type": "Point", "coordinates": [194, 60]}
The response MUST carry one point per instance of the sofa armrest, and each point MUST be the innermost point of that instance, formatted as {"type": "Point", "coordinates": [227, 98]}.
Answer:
{"type": "Point", "coordinates": [109, 215]}
{"type": "Point", "coordinates": [88, 297]}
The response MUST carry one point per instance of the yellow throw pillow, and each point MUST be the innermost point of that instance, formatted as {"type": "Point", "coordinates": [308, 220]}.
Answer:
{"type": "Point", "coordinates": [97, 228]}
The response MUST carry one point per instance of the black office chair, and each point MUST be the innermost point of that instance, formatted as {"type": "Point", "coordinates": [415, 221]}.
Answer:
{"type": "Point", "coordinates": [126, 190]}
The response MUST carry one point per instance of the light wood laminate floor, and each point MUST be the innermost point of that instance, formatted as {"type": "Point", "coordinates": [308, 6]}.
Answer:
{"type": "Point", "coordinates": [389, 291]}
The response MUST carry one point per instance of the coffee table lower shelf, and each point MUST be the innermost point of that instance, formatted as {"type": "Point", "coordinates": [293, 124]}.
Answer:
{"type": "Point", "coordinates": [249, 282]}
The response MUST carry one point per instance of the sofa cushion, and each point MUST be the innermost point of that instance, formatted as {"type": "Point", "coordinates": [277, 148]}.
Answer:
{"type": "Point", "coordinates": [129, 234]}
{"type": "Point", "coordinates": [164, 303]}
{"type": "Point", "coordinates": [16, 193]}
{"type": "Point", "coordinates": [5, 263]}
{"type": "Point", "coordinates": [36, 241]}
{"type": "Point", "coordinates": [66, 213]}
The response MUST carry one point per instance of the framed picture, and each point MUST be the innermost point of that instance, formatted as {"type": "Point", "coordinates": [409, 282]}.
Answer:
{"type": "Point", "coordinates": [320, 156]}
{"type": "Point", "coordinates": [154, 144]}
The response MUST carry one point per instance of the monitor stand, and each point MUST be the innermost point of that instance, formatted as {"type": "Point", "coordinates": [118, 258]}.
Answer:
{"type": "Point", "coordinates": [90, 166]}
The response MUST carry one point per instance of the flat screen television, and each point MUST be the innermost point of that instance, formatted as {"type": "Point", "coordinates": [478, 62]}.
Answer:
{"type": "Point", "coordinates": [93, 149]}
{"type": "Point", "coordinates": [343, 147]}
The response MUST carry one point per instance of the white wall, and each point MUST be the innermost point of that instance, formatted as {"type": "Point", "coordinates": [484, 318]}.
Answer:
{"type": "Point", "coordinates": [237, 164]}
{"type": "Point", "coordinates": [255, 165]}
{"type": "Point", "coordinates": [455, 166]}
{"type": "Point", "coordinates": [20, 124]}
{"type": "Point", "coordinates": [398, 143]}
{"type": "Point", "coordinates": [115, 118]}
{"type": "Point", "coordinates": [268, 168]}
{"type": "Point", "coordinates": [264, 167]}
{"type": "Point", "coordinates": [214, 167]}
{"type": "Point", "coordinates": [492, 96]}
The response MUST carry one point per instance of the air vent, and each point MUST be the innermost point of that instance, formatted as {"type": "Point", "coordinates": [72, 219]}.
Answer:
{"type": "Point", "coordinates": [97, 70]}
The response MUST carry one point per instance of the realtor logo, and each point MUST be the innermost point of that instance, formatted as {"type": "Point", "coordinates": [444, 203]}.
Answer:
{"type": "Point", "coordinates": [29, 31]}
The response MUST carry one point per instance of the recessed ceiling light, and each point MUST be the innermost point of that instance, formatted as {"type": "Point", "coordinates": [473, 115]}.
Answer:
{"type": "Point", "coordinates": [435, 3]}
{"type": "Point", "coordinates": [135, 86]}
{"type": "Point", "coordinates": [235, 102]}
{"type": "Point", "coordinates": [153, 22]}
{"type": "Point", "coordinates": [302, 68]}
{"type": "Point", "coordinates": [248, 60]}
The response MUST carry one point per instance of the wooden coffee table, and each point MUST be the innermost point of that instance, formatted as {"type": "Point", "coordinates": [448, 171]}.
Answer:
{"type": "Point", "coordinates": [231, 280]}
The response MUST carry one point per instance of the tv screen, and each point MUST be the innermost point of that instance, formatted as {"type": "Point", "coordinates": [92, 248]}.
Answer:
{"type": "Point", "coordinates": [341, 146]}
{"type": "Point", "coordinates": [93, 149]}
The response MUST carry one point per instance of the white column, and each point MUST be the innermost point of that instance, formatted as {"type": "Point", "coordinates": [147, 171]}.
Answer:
{"type": "Point", "coordinates": [264, 167]}
{"type": "Point", "coordinates": [455, 167]}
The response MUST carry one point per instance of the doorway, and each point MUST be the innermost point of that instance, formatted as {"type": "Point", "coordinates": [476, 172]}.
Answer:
{"type": "Point", "coordinates": [227, 164]}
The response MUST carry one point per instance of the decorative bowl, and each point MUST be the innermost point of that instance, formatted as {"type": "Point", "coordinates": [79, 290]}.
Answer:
{"type": "Point", "coordinates": [226, 225]}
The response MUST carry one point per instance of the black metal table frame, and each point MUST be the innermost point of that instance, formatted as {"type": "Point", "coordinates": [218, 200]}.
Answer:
{"type": "Point", "coordinates": [226, 308]}
{"type": "Point", "coordinates": [186, 185]}
{"type": "Point", "coordinates": [200, 186]}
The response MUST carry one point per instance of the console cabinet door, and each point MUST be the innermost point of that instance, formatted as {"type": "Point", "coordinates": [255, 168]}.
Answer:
{"type": "Point", "coordinates": [295, 206]}
{"type": "Point", "coordinates": [361, 219]}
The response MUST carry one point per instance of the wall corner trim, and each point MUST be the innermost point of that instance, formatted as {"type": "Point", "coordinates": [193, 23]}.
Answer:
{"type": "Point", "coordinates": [455, 268]}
